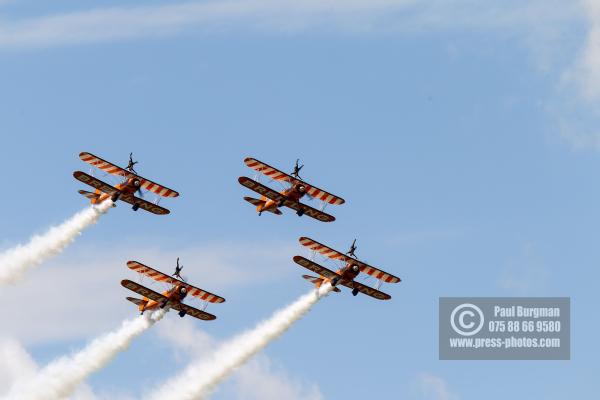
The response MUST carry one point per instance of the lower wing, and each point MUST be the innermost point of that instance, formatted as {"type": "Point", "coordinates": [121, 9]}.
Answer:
{"type": "Point", "coordinates": [194, 312]}
{"type": "Point", "coordinates": [369, 291]}
{"type": "Point", "coordinates": [314, 267]}
{"type": "Point", "coordinates": [144, 291]}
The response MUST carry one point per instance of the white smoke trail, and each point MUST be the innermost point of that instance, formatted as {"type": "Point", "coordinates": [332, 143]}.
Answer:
{"type": "Point", "coordinates": [16, 261]}
{"type": "Point", "coordinates": [199, 379]}
{"type": "Point", "coordinates": [60, 378]}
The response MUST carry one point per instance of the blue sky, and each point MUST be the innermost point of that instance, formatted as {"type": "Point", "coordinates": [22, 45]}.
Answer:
{"type": "Point", "coordinates": [463, 136]}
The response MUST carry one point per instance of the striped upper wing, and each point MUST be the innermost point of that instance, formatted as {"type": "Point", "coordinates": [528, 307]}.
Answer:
{"type": "Point", "coordinates": [118, 171]}
{"type": "Point", "coordinates": [277, 175]}
{"type": "Point", "coordinates": [336, 255]}
{"type": "Point", "coordinates": [160, 277]}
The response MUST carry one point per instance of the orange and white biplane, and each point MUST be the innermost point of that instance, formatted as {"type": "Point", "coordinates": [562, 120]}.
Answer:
{"type": "Point", "coordinates": [347, 273]}
{"type": "Point", "coordinates": [290, 196]}
{"type": "Point", "coordinates": [172, 297]}
{"type": "Point", "coordinates": [131, 184]}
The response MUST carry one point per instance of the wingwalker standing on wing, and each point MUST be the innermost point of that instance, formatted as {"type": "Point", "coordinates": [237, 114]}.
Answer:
{"type": "Point", "coordinates": [172, 297]}
{"type": "Point", "coordinates": [290, 197]}
{"type": "Point", "coordinates": [346, 275]}
{"type": "Point", "coordinates": [132, 183]}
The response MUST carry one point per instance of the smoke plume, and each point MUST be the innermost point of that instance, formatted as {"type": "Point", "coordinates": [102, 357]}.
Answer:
{"type": "Point", "coordinates": [16, 261]}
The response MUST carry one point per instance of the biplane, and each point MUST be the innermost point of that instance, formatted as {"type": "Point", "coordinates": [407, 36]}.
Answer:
{"type": "Point", "coordinates": [294, 189]}
{"type": "Point", "coordinates": [346, 275]}
{"type": "Point", "coordinates": [173, 297]}
{"type": "Point", "coordinates": [131, 184]}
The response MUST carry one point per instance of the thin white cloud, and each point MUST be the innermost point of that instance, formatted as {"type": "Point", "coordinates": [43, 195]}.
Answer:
{"type": "Point", "coordinates": [260, 379]}
{"type": "Point", "coordinates": [426, 236]}
{"type": "Point", "coordinates": [76, 296]}
{"type": "Point", "coordinates": [273, 383]}
{"type": "Point", "coordinates": [116, 23]}
{"type": "Point", "coordinates": [576, 107]}
{"type": "Point", "coordinates": [83, 291]}
{"type": "Point", "coordinates": [435, 388]}
{"type": "Point", "coordinates": [283, 16]}
{"type": "Point", "coordinates": [17, 365]}
{"type": "Point", "coordinates": [585, 72]}
{"type": "Point", "coordinates": [526, 274]}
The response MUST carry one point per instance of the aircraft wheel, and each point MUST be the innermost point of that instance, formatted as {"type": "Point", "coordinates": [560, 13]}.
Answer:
{"type": "Point", "coordinates": [300, 212]}
{"type": "Point", "coordinates": [182, 313]}
{"type": "Point", "coordinates": [354, 292]}
{"type": "Point", "coordinates": [115, 196]}
{"type": "Point", "coordinates": [135, 207]}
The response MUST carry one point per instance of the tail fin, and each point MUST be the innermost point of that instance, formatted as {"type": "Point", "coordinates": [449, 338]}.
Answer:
{"type": "Point", "coordinates": [318, 281]}
{"type": "Point", "coordinates": [257, 203]}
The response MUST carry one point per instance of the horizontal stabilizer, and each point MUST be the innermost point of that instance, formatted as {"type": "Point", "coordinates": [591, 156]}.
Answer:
{"type": "Point", "coordinates": [135, 301]}
{"type": "Point", "coordinates": [316, 281]}
{"type": "Point", "coordinates": [89, 195]}
{"type": "Point", "coordinates": [312, 279]}
{"type": "Point", "coordinates": [257, 202]}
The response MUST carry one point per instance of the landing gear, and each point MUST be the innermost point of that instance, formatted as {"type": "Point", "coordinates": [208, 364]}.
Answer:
{"type": "Point", "coordinates": [334, 281]}
{"type": "Point", "coordinates": [182, 313]}
{"type": "Point", "coordinates": [135, 207]}
{"type": "Point", "coordinates": [115, 196]}
{"type": "Point", "coordinates": [300, 212]}
{"type": "Point", "coordinates": [354, 292]}
{"type": "Point", "coordinates": [259, 213]}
